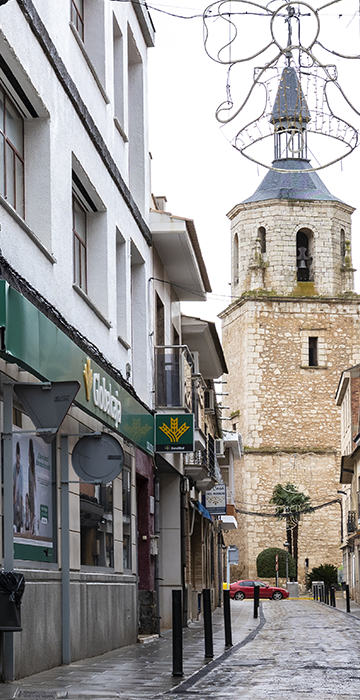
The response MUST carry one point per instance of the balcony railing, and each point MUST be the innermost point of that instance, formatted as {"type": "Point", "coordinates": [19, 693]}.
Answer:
{"type": "Point", "coordinates": [200, 465]}
{"type": "Point", "coordinates": [351, 522]}
{"type": "Point", "coordinates": [173, 370]}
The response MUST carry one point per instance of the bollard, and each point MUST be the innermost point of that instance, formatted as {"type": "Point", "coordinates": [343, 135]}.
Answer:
{"type": "Point", "coordinates": [177, 634]}
{"type": "Point", "coordinates": [227, 619]}
{"type": "Point", "coordinates": [256, 600]}
{"type": "Point", "coordinates": [327, 595]}
{"type": "Point", "coordinates": [332, 595]}
{"type": "Point", "coordinates": [209, 653]}
{"type": "Point", "coordinates": [347, 598]}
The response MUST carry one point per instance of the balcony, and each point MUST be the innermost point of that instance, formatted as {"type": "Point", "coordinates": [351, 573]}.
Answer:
{"type": "Point", "coordinates": [200, 466]}
{"type": "Point", "coordinates": [173, 382]}
{"type": "Point", "coordinates": [351, 522]}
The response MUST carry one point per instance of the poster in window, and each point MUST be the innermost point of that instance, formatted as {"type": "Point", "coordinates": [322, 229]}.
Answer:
{"type": "Point", "coordinates": [32, 498]}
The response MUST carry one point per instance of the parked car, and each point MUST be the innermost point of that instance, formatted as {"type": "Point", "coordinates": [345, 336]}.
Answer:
{"type": "Point", "coordinates": [245, 589]}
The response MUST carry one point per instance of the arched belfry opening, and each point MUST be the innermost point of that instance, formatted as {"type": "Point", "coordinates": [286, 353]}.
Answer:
{"type": "Point", "coordinates": [304, 257]}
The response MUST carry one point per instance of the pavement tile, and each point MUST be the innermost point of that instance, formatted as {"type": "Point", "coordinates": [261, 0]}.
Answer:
{"type": "Point", "coordinates": [302, 649]}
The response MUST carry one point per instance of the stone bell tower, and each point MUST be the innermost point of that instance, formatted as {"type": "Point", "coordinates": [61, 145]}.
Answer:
{"type": "Point", "coordinates": [292, 328]}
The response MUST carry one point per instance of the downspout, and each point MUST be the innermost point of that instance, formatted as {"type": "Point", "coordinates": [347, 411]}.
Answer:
{"type": "Point", "coordinates": [157, 556]}
{"type": "Point", "coordinates": [183, 492]}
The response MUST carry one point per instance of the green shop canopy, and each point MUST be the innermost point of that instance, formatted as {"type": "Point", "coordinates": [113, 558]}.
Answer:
{"type": "Point", "coordinates": [33, 342]}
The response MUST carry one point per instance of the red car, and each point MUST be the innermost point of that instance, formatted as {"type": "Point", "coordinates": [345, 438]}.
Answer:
{"type": "Point", "coordinates": [245, 589]}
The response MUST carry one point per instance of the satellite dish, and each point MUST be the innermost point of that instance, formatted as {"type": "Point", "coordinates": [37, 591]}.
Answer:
{"type": "Point", "coordinates": [97, 458]}
{"type": "Point", "coordinates": [47, 404]}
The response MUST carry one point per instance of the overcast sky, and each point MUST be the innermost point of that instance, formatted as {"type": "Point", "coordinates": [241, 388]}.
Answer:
{"type": "Point", "coordinates": [193, 164]}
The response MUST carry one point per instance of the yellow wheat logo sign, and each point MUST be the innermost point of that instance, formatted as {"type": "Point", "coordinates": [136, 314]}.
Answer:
{"type": "Point", "coordinates": [175, 432]}
{"type": "Point", "coordinates": [88, 376]}
{"type": "Point", "coordinates": [136, 431]}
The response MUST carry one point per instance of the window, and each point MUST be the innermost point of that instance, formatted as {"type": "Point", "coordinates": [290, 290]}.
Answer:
{"type": "Point", "coordinates": [79, 236]}
{"type": "Point", "coordinates": [77, 16]}
{"type": "Point", "coordinates": [118, 73]}
{"type": "Point", "coordinates": [96, 525]}
{"type": "Point", "coordinates": [11, 154]}
{"type": "Point", "coordinates": [262, 237]}
{"type": "Point", "coordinates": [342, 243]}
{"type": "Point", "coordinates": [313, 351]}
{"type": "Point", "coordinates": [126, 494]}
{"type": "Point", "coordinates": [236, 259]}
{"type": "Point", "coordinates": [136, 127]}
{"type": "Point", "coordinates": [89, 225]}
{"type": "Point", "coordinates": [122, 294]}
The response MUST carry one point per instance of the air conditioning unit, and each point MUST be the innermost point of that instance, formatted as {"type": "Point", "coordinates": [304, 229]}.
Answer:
{"type": "Point", "coordinates": [219, 448]}
{"type": "Point", "coordinates": [209, 401]}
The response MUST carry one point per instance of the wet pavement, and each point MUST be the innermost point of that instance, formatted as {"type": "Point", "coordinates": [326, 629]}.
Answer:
{"type": "Point", "coordinates": [296, 648]}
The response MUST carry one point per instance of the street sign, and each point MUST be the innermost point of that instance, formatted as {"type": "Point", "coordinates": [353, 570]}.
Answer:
{"type": "Point", "coordinates": [277, 563]}
{"type": "Point", "coordinates": [216, 500]}
{"type": "Point", "coordinates": [233, 554]}
{"type": "Point", "coordinates": [47, 404]}
{"type": "Point", "coordinates": [97, 458]}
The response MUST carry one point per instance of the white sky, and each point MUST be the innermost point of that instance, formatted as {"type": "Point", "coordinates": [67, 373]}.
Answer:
{"type": "Point", "coordinates": [198, 170]}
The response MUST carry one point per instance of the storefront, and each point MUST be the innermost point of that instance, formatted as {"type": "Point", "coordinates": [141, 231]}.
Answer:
{"type": "Point", "coordinates": [102, 532]}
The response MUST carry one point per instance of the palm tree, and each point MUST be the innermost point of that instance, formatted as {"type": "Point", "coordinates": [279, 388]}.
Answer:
{"type": "Point", "coordinates": [290, 504]}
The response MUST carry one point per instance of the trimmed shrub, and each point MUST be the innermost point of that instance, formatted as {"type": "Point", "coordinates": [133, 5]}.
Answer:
{"type": "Point", "coordinates": [324, 572]}
{"type": "Point", "coordinates": [265, 563]}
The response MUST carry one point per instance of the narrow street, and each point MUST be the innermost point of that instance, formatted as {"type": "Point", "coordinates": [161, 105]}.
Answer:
{"type": "Point", "coordinates": [296, 649]}
{"type": "Point", "coordinates": [302, 650]}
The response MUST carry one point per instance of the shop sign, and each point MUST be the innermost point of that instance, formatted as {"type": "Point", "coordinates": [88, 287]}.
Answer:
{"type": "Point", "coordinates": [216, 500]}
{"type": "Point", "coordinates": [174, 432]}
{"type": "Point", "coordinates": [36, 344]}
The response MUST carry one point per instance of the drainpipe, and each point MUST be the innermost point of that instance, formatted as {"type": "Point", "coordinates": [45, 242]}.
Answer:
{"type": "Point", "coordinates": [183, 492]}
{"type": "Point", "coordinates": [220, 574]}
{"type": "Point", "coordinates": [157, 566]}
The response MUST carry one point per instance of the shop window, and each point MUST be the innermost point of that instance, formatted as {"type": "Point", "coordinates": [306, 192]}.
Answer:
{"type": "Point", "coordinates": [126, 492]}
{"type": "Point", "coordinates": [77, 16]}
{"type": "Point", "coordinates": [33, 498]}
{"type": "Point", "coordinates": [96, 525]}
{"type": "Point", "coordinates": [11, 154]}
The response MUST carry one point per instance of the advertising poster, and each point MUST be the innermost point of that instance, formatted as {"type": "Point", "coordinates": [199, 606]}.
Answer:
{"type": "Point", "coordinates": [32, 498]}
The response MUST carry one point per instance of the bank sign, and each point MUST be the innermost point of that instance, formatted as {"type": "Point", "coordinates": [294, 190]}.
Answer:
{"type": "Point", "coordinates": [33, 342]}
{"type": "Point", "coordinates": [174, 432]}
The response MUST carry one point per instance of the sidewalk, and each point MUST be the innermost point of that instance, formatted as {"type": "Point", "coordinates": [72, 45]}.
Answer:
{"type": "Point", "coordinates": [138, 671]}
{"type": "Point", "coordinates": [341, 605]}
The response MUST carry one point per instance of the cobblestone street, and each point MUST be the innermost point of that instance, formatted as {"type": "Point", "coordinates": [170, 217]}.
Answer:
{"type": "Point", "coordinates": [302, 650]}
{"type": "Point", "coordinates": [297, 648]}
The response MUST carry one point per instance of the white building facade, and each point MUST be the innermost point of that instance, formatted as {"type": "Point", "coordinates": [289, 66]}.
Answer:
{"type": "Point", "coordinates": [75, 262]}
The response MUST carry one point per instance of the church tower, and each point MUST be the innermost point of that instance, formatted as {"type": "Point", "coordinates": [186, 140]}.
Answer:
{"type": "Point", "coordinates": [291, 330]}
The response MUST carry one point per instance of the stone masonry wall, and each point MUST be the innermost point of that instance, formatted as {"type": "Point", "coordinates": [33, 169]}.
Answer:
{"type": "Point", "coordinates": [276, 269]}
{"type": "Point", "coordinates": [288, 417]}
